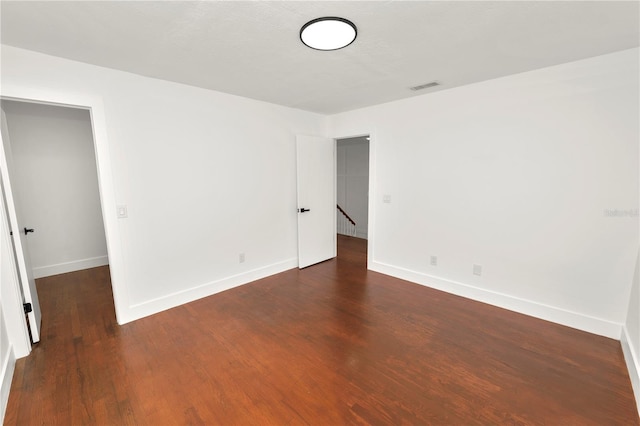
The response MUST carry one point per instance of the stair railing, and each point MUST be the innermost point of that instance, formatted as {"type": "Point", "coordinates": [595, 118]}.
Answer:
{"type": "Point", "coordinates": [345, 224]}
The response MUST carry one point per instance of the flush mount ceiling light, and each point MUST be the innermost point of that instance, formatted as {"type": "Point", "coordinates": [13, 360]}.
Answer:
{"type": "Point", "coordinates": [328, 33]}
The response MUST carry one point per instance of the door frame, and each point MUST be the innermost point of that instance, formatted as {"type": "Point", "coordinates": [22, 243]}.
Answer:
{"type": "Point", "coordinates": [106, 187]}
{"type": "Point", "coordinates": [372, 190]}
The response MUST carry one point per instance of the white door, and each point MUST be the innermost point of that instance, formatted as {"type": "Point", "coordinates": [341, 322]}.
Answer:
{"type": "Point", "coordinates": [316, 199]}
{"type": "Point", "coordinates": [19, 233]}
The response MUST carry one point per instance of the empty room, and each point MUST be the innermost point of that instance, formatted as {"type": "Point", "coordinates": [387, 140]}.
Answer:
{"type": "Point", "coordinates": [320, 212]}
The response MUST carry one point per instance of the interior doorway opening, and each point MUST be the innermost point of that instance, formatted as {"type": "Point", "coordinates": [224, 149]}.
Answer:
{"type": "Point", "coordinates": [352, 182]}
{"type": "Point", "coordinates": [54, 180]}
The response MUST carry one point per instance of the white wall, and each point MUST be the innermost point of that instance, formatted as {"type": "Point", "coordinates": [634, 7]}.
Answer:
{"type": "Point", "coordinates": [631, 334]}
{"type": "Point", "coordinates": [204, 175]}
{"type": "Point", "coordinates": [353, 181]}
{"type": "Point", "coordinates": [7, 365]}
{"type": "Point", "coordinates": [514, 174]}
{"type": "Point", "coordinates": [55, 178]}
{"type": "Point", "coordinates": [633, 314]}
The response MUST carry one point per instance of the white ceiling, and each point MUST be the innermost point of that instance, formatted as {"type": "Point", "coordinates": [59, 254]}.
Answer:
{"type": "Point", "coordinates": [252, 49]}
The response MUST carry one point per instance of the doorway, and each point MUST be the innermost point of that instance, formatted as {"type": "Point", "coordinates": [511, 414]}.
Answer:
{"type": "Point", "coordinates": [352, 195]}
{"type": "Point", "coordinates": [54, 181]}
{"type": "Point", "coordinates": [352, 181]}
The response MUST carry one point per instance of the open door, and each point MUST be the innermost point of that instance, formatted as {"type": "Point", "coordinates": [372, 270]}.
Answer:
{"type": "Point", "coordinates": [316, 199]}
{"type": "Point", "coordinates": [19, 234]}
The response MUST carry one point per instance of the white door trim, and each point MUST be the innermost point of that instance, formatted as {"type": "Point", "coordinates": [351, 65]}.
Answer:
{"type": "Point", "coordinates": [95, 106]}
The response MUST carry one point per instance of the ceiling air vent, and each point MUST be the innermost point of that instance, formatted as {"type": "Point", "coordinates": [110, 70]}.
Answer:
{"type": "Point", "coordinates": [425, 86]}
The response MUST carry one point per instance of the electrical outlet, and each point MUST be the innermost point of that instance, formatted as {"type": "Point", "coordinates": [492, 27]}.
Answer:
{"type": "Point", "coordinates": [241, 257]}
{"type": "Point", "coordinates": [386, 198]}
{"type": "Point", "coordinates": [477, 269]}
{"type": "Point", "coordinates": [433, 260]}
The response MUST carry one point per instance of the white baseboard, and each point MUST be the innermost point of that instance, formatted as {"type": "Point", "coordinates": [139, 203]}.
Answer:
{"type": "Point", "coordinates": [549, 313]}
{"type": "Point", "coordinates": [361, 234]}
{"type": "Point", "coordinates": [633, 364]}
{"type": "Point", "coordinates": [8, 367]}
{"type": "Point", "coordinates": [160, 304]}
{"type": "Point", "coordinates": [63, 268]}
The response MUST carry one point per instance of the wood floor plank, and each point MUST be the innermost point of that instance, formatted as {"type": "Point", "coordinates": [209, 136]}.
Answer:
{"type": "Point", "coordinates": [331, 344]}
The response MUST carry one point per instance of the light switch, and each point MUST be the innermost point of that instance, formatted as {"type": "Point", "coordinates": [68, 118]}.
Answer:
{"type": "Point", "coordinates": [386, 198]}
{"type": "Point", "coordinates": [122, 212]}
{"type": "Point", "coordinates": [477, 269]}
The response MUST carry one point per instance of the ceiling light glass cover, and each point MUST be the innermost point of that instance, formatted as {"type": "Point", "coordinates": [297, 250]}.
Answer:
{"type": "Point", "coordinates": [328, 33]}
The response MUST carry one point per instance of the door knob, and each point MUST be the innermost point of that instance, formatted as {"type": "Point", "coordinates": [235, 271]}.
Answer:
{"type": "Point", "coordinates": [302, 210]}
{"type": "Point", "coordinates": [27, 230]}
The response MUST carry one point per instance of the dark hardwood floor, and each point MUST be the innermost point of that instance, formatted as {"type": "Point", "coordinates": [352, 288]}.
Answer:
{"type": "Point", "coordinates": [332, 344]}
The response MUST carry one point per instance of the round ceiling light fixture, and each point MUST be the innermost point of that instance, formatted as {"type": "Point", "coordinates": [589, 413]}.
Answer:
{"type": "Point", "coordinates": [328, 33]}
